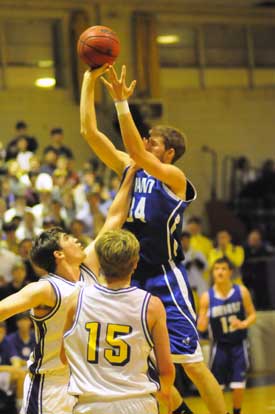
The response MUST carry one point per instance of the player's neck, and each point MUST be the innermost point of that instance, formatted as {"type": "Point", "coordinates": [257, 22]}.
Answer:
{"type": "Point", "coordinates": [68, 271]}
{"type": "Point", "coordinates": [224, 288]}
{"type": "Point", "coordinates": [116, 284]}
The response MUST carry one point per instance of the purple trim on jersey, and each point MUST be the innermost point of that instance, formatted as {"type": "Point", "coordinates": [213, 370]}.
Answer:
{"type": "Point", "coordinates": [89, 271]}
{"type": "Point", "coordinates": [38, 352]}
{"type": "Point", "coordinates": [56, 306]}
{"type": "Point", "coordinates": [35, 396]}
{"type": "Point", "coordinates": [144, 321]}
{"type": "Point", "coordinates": [115, 291]}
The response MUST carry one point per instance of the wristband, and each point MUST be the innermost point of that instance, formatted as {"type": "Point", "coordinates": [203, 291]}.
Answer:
{"type": "Point", "coordinates": [122, 107]}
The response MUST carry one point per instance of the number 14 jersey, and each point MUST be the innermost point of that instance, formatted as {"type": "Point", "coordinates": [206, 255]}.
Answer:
{"type": "Point", "coordinates": [156, 218]}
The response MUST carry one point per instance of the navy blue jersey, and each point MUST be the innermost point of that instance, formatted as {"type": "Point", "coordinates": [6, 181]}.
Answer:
{"type": "Point", "coordinates": [222, 312]}
{"type": "Point", "coordinates": [155, 218]}
{"type": "Point", "coordinates": [20, 348]}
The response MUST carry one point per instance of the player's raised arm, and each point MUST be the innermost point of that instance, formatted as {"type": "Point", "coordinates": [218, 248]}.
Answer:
{"type": "Point", "coordinates": [203, 319]}
{"type": "Point", "coordinates": [100, 143]}
{"type": "Point", "coordinates": [116, 216]}
{"type": "Point", "coordinates": [136, 148]}
{"type": "Point", "coordinates": [31, 296]}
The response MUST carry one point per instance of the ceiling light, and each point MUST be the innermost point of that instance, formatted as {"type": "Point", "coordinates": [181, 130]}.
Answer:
{"type": "Point", "coordinates": [45, 82]}
{"type": "Point", "coordinates": [168, 39]}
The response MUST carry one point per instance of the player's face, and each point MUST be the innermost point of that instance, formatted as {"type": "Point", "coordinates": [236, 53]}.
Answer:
{"type": "Point", "coordinates": [72, 248]}
{"type": "Point", "coordinates": [221, 273]}
{"type": "Point", "coordinates": [155, 145]}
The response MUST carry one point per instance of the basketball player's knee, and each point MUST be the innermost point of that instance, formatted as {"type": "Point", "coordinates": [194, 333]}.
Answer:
{"type": "Point", "coordinates": [194, 369]}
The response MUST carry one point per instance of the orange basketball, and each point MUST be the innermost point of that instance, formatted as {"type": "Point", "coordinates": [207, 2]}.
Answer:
{"type": "Point", "coordinates": [98, 45]}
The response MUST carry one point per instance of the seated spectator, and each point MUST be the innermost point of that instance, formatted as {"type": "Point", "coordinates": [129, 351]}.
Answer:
{"type": "Point", "coordinates": [8, 375]}
{"type": "Point", "coordinates": [18, 281]}
{"type": "Point", "coordinates": [199, 242]}
{"type": "Point", "coordinates": [23, 157]}
{"type": "Point", "coordinates": [92, 213]}
{"type": "Point", "coordinates": [77, 230]}
{"type": "Point", "coordinates": [49, 161]}
{"type": "Point", "coordinates": [19, 207]}
{"type": "Point", "coordinates": [22, 341]}
{"type": "Point", "coordinates": [256, 247]}
{"type": "Point", "coordinates": [234, 253]}
{"type": "Point", "coordinates": [24, 248]}
{"type": "Point", "coordinates": [7, 259]}
{"type": "Point", "coordinates": [57, 138]}
{"type": "Point", "coordinates": [10, 241]}
{"type": "Point", "coordinates": [195, 264]}
{"type": "Point", "coordinates": [12, 147]}
{"type": "Point", "coordinates": [27, 229]}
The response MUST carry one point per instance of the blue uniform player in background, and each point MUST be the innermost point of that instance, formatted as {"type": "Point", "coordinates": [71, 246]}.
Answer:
{"type": "Point", "coordinates": [161, 194]}
{"type": "Point", "coordinates": [229, 310]}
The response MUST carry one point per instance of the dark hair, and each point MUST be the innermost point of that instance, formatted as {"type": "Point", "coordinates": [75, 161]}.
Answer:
{"type": "Point", "coordinates": [44, 246]}
{"type": "Point", "coordinates": [10, 226]}
{"type": "Point", "coordinates": [56, 131]}
{"type": "Point", "coordinates": [194, 219]}
{"type": "Point", "coordinates": [20, 125]}
{"type": "Point", "coordinates": [185, 234]}
{"type": "Point", "coordinates": [224, 259]}
{"type": "Point", "coordinates": [173, 138]}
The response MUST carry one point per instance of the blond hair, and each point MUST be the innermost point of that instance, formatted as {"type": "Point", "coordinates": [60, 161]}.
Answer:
{"type": "Point", "coordinates": [117, 252]}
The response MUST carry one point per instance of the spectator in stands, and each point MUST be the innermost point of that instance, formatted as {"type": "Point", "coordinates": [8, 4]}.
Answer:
{"type": "Point", "coordinates": [8, 375]}
{"type": "Point", "coordinates": [244, 174]}
{"type": "Point", "coordinates": [22, 341]}
{"type": "Point", "coordinates": [91, 213]}
{"type": "Point", "coordinates": [77, 228]}
{"type": "Point", "coordinates": [27, 228]}
{"type": "Point", "coordinates": [23, 157]}
{"type": "Point", "coordinates": [49, 161]}
{"type": "Point", "coordinates": [57, 138]}
{"type": "Point", "coordinates": [7, 260]}
{"type": "Point", "coordinates": [256, 247]}
{"type": "Point", "coordinates": [21, 130]}
{"type": "Point", "coordinates": [195, 264]}
{"type": "Point", "coordinates": [24, 248]}
{"type": "Point", "coordinates": [18, 208]}
{"type": "Point", "coordinates": [6, 192]}
{"type": "Point", "coordinates": [199, 242]}
{"type": "Point", "coordinates": [10, 241]}
{"type": "Point", "coordinates": [234, 253]}
{"type": "Point", "coordinates": [18, 281]}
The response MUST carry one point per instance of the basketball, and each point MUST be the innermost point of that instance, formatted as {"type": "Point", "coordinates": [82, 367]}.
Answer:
{"type": "Point", "coordinates": [98, 45]}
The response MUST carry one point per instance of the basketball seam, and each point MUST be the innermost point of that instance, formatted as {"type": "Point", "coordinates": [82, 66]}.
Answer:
{"type": "Point", "coordinates": [106, 37]}
{"type": "Point", "coordinates": [100, 52]}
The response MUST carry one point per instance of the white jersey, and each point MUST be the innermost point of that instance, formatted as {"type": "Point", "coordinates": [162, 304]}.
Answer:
{"type": "Point", "coordinates": [49, 329]}
{"type": "Point", "coordinates": [109, 344]}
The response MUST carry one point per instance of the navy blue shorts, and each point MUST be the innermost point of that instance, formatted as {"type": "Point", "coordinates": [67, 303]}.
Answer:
{"type": "Point", "coordinates": [229, 364]}
{"type": "Point", "coordinates": [172, 287]}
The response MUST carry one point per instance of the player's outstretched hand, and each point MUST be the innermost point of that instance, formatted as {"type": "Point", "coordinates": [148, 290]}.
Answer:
{"type": "Point", "coordinates": [117, 87]}
{"type": "Point", "coordinates": [92, 74]}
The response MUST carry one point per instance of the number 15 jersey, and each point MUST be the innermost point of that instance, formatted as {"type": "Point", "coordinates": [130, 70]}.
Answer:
{"type": "Point", "coordinates": [108, 346]}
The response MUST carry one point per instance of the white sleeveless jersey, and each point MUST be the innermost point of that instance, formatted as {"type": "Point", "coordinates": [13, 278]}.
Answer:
{"type": "Point", "coordinates": [49, 330]}
{"type": "Point", "coordinates": [109, 344]}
